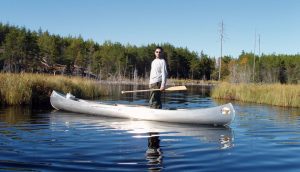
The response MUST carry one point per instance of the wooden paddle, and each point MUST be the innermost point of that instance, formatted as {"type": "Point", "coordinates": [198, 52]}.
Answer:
{"type": "Point", "coordinates": [176, 88]}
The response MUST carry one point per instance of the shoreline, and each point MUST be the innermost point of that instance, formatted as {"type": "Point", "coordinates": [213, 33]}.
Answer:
{"type": "Point", "coordinates": [35, 89]}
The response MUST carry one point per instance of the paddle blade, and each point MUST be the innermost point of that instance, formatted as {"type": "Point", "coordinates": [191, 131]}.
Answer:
{"type": "Point", "coordinates": [176, 88]}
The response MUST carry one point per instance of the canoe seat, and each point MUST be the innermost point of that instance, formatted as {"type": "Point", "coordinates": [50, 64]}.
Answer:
{"type": "Point", "coordinates": [72, 97]}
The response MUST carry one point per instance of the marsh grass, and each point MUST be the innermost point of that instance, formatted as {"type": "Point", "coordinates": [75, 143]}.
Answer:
{"type": "Point", "coordinates": [25, 88]}
{"type": "Point", "coordinates": [273, 94]}
{"type": "Point", "coordinates": [173, 81]}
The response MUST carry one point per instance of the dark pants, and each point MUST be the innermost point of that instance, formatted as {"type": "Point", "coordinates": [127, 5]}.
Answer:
{"type": "Point", "coordinates": [155, 101]}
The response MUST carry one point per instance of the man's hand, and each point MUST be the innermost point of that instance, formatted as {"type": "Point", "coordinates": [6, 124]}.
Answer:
{"type": "Point", "coordinates": [162, 88]}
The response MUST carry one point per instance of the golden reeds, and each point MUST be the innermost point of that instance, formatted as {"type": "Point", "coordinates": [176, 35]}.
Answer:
{"type": "Point", "coordinates": [28, 88]}
{"type": "Point", "coordinates": [273, 94]}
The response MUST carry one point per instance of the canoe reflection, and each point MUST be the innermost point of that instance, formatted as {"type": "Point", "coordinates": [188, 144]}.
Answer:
{"type": "Point", "coordinates": [222, 136]}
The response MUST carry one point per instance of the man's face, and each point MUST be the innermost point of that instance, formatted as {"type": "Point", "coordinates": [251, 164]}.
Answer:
{"type": "Point", "coordinates": [158, 52]}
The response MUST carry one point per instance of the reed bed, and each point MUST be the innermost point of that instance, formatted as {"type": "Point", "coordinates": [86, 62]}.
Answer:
{"type": "Point", "coordinates": [173, 81]}
{"type": "Point", "coordinates": [28, 88]}
{"type": "Point", "coordinates": [273, 94]}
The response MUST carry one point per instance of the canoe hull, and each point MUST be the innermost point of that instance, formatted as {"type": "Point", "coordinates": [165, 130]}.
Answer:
{"type": "Point", "coordinates": [220, 115]}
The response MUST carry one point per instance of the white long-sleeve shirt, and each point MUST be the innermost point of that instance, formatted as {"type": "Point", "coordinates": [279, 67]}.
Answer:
{"type": "Point", "coordinates": [158, 72]}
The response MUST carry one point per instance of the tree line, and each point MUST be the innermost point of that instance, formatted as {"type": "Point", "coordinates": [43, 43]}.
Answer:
{"type": "Point", "coordinates": [23, 50]}
{"type": "Point", "coordinates": [270, 68]}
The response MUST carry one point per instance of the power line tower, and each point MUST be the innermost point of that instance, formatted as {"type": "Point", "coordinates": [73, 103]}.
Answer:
{"type": "Point", "coordinates": [221, 40]}
{"type": "Point", "coordinates": [259, 45]}
{"type": "Point", "coordinates": [253, 77]}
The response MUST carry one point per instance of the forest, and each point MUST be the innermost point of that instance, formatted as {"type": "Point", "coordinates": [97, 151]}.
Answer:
{"type": "Point", "coordinates": [23, 50]}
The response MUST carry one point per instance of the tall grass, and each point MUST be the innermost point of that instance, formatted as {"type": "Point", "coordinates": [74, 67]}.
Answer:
{"type": "Point", "coordinates": [28, 88]}
{"type": "Point", "coordinates": [273, 94]}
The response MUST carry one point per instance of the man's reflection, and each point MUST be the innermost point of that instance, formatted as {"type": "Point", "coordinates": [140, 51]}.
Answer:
{"type": "Point", "coordinates": [154, 153]}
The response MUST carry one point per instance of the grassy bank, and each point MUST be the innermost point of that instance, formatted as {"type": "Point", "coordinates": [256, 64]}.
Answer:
{"type": "Point", "coordinates": [273, 94]}
{"type": "Point", "coordinates": [17, 89]}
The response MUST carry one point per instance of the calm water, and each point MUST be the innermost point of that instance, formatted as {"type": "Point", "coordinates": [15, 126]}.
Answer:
{"type": "Point", "coordinates": [262, 138]}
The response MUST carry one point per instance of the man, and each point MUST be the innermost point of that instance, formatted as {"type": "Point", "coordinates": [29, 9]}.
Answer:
{"type": "Point", "coordinates": [158, 78]}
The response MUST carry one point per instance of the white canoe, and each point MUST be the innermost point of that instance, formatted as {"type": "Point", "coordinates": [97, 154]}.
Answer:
{"type": "Point", "coordinates": [220, 115]}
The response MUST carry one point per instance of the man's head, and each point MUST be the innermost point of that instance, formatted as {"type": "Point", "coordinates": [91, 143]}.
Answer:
{"type": "Point", "coordinates": [159, 52]}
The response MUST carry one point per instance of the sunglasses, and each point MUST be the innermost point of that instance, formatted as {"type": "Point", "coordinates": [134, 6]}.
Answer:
{"type": "Point", "coordinates": [157, 51]}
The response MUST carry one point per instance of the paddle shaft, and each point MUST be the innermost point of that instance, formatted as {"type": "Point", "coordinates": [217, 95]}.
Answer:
{"type": "Point", "coordinates": [176, 88]}
{"type": "Point", "coordinates": [138, 91]}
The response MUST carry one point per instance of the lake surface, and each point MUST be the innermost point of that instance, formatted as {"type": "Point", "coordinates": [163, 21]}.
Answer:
{"type": "Point", "coordinates": [261, 138]}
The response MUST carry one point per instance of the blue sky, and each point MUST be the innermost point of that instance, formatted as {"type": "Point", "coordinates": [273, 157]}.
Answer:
{"type": "Point", "coordinates": [194, 24]}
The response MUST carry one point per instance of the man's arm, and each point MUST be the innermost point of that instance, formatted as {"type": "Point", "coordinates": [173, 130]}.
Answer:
{"type": "Point", "coordinates": [164, 75]}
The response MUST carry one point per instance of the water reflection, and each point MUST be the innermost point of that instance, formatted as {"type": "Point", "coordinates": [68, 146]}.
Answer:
{"type": "Point", "coordinates": [15, 115]}
{"type": "Point", "coordinates": [158, 135]}
{"type": "Point", "coordinates": [17, 121]}
{"type": "Point", "coordinates": [223, 137]}
{"type": "Point", "coordinates": [154, 153]}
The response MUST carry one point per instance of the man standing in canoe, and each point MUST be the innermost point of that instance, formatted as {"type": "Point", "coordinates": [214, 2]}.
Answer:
{"type": "Point", "coordinates": [158, 78]}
